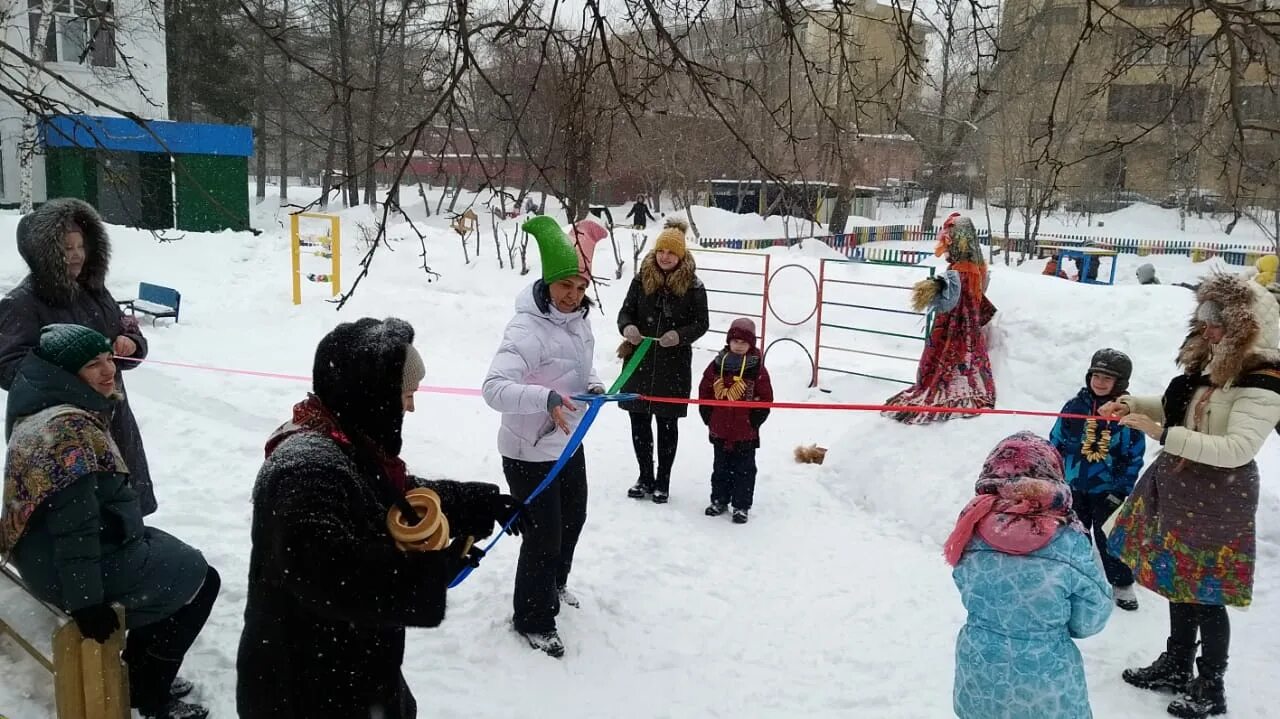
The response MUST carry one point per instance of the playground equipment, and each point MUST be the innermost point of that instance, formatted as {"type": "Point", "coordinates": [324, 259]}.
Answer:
{"type": "Point", "coordinates": [877, 308]}
{"type": "Point", "coordinates": [1085, 258]}
{"type": "Point", "coordinates": [745, 274]}
{"type": "Point", "coordinates": [859, 307]}
{"type": "Point", "coordinates": [331, 244]}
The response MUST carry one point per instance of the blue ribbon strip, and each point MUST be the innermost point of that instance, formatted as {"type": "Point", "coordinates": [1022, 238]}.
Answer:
{"type": "Point", "coordinates": [575, 441]}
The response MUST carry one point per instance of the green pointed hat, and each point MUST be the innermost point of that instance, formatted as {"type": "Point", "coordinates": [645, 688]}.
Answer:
{"type": "Point", "coordinates": [559, 256]}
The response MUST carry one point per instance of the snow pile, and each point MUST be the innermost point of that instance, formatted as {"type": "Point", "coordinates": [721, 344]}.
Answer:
{"type": "Point", "coordinates": [834, 601]}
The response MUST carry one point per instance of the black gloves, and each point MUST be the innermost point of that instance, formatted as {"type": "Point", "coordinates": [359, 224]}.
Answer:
{"type": "Point", "coordinates": [474, 507]}
{"type": "Point", "coordinates": [460, 560]}
{"type": "Point", "coordinates": [97, 622]}
{"type": "Point", "coordinates": [1113, 502]}
{"type": "Point", "coordinates": [503, 506]}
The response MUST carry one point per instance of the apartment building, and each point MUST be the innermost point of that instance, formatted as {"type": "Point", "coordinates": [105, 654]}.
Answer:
{"type": "Point", "coordinates": [1137, 98]}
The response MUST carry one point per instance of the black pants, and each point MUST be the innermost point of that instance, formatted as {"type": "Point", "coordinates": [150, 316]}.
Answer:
{"type": "Point", "coordinates": [1094, 510]}
{"type": "Point", "coordinates": [546, 552]}
{"type": "Point", "coordinates": [154, 653]}
{"type": "Point", "coordinates": [1212, 624]}
{"type": "Point", "coordinates": [733, 475]}
{"type": "Point", "coordinates": [642, 440]}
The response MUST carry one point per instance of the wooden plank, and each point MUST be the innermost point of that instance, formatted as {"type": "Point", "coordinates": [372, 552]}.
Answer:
{"type": "Point", "coordinates": [68, 678]}
{"type": "Point", "coordinates": [27, 619]}
{"type": "Point", "coordinates": [115, 679]}
{"type": "Point", "coordinates": [93, 658]}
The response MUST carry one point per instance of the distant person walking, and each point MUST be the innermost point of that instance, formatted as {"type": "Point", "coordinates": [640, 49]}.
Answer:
{"type": "Point", "coordinates": [640, 214]}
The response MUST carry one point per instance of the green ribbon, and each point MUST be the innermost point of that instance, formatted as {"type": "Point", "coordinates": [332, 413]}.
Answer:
{"type": "Point", "coordinates": [630, 367]}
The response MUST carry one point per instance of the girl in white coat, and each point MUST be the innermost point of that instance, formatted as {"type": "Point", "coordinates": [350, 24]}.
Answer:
{"type": "Point", "coordinates": [545, 358]}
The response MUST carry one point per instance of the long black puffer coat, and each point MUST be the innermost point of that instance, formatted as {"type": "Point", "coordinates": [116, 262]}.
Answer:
{"type": "Point", "coordinates": [657, 302]}
{"type": "Point", "coordinates": [48, 296]}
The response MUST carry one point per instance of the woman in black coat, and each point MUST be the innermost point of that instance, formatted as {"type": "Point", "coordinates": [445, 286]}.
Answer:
{"type": "Point", "coordinates": [640, 214]}
{"type": "Point", "coordinates": [330, 593]}
{"type": "Point", "coordinates": [66, 248]}
{"type": "Point", "coordinates": [666, 300]}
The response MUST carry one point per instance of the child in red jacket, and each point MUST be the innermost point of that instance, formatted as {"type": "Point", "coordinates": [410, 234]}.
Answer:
{"type": "Point", "coordinates": [736, 374]}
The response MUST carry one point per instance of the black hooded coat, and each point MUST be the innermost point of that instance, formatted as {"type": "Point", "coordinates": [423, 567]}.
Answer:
{"type": "Point", "coordinates": [329, 593]}
{"type": "Point", "coordinates": [48, 295]}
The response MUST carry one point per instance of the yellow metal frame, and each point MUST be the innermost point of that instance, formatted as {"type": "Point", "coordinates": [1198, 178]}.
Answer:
{"type": "Point", "coordinates": [335, 250]}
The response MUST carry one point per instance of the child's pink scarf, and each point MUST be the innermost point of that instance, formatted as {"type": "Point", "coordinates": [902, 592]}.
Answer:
{"type": "Point", "coordinates": [1022, 500]}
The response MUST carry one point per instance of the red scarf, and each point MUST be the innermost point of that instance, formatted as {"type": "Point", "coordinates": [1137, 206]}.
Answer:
{"type": "Point", "coordinates": [310, 415]}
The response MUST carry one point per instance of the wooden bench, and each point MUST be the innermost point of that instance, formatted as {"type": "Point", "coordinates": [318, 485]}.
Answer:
{"type": "Point", "coordinates": [155, 300]}
{"type": "Point", "coordinates": [89, 679]}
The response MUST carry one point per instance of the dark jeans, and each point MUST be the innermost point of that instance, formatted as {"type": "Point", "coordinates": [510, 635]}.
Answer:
{"type": "Point", "coordinates": [154, 653]}
{"type": "Point", "coordinates": [642, 440]}
{"type": "Point", "coordinates": [1094, 510]}
{"type": "Point", "coordinates": [546, 552]}
{"type": "Point", "coordinates": [733, 475]}
{"type": "Point", "coordinates": [1213, 625]}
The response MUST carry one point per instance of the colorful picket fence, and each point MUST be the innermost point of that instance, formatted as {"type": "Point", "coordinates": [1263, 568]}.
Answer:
{"type": "Point", "coordinates": [853, 244]}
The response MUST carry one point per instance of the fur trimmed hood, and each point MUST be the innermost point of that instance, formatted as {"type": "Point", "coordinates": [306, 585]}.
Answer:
{"type": "Point", "coordinates": [40, 244]}
{"type": "Point", "coordinates": [679, 281]}
{"type": "Point", "coordinates": [1250, 316]}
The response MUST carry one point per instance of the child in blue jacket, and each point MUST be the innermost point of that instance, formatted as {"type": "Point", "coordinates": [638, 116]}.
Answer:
{"type": "Point", "coordinates": [1026, 575]}
{"type": "Point", "coordinates": [1102, 460]}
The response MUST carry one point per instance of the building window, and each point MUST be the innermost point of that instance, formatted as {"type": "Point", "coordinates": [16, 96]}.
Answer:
{"type": "Point", "coordinates": [1141, 47]}
{"type": "Point", "coordinates": [1154, 3]}
{"type": "Point", "coordinates": [1152, 104]}
{"type": "Point", "coordinates": [1060, 15]}
{"type": "Point", "coordinates": [81, 32]}
{"type": "Point", "coordinates": [1258, 103]}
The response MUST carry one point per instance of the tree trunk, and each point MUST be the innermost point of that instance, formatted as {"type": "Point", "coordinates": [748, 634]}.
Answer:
{"type": "Point", "coordinates": [30, 128]}
{"type": "Point", "coordinates": [930, 212]}
{"type": "Point", "coordinates": [377, 39]}
{"type": "Point", "coordinates": [688, 213]}
{"type": "Point", "coordinates": [285, 107]}
{"type": "Point", "coordinates": [342, 37]}
{"type": "Point", "coordinates": [260, 105]}
{"type": "Point", "coordinates": [330, 157]}
{"type": "Point", "coordinates": [844, 197]}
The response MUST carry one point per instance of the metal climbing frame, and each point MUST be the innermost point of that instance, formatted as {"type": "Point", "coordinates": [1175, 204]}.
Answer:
{"type": "Point", "coordinates": [332, 248]}
{"type": "Point", "coordinates": [739, 266]}
{"type": "Point", "coordinates": [828, 285]}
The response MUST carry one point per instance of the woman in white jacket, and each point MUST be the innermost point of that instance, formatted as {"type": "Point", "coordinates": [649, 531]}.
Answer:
{"type": "Point", "coordinates": [1188, 527]}
{"type": "Point", "coordinates": [545, 358]}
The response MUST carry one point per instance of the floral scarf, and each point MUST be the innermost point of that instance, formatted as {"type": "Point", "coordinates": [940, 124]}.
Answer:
{"type": "Point", "coordinates": [1022, 500]}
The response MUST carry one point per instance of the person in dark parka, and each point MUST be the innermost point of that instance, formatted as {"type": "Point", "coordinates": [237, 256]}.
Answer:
{"type": "Point", "coordinates": [72, 525]}
{"type": "Point", "coordinates": [666, 300]}
{"type": "Point", "coordinates": [640, 214]}
{"type": "Point", "coordinates": [68, 253]}
{"type": "Point", "coordinates": [330, 593]}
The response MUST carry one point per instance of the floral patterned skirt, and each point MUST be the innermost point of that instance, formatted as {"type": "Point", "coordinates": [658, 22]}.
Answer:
{"type": "Point", "coordinates": [955, 369]}
{"type": "Point", "coordinates": [1188, 531]}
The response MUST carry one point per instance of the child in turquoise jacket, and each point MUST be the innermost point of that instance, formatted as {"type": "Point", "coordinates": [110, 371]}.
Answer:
{"type": "Point", "coordinates": [1026, 575]}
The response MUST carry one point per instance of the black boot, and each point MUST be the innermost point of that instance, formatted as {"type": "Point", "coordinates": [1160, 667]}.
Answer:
{"type": "Point", "coordinates": [1171, 671]}
{"type": "Point", "coordinates": [177, 709]}
{"type": "Point", "coordinates": [640, 489]}
{"type": "Point", "coordinates": [1205, 695]}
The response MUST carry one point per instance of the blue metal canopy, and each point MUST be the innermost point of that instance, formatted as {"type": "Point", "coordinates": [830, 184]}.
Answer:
{"type": "Point", "coordinates": [124, 135]}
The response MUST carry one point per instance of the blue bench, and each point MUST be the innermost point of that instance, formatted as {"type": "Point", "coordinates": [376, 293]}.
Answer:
{"type": "Point", "coordinates": [156, 301]}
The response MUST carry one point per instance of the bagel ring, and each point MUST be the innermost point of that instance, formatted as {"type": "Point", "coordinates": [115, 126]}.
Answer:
{"type": "Point", "coordinates": [429, 534]}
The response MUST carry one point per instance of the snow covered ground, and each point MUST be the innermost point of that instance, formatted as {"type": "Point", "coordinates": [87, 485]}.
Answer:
{"type": "Point", "coordinates": [833, 602]}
